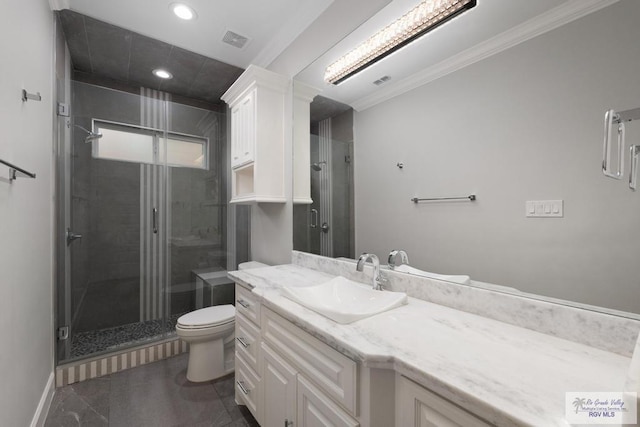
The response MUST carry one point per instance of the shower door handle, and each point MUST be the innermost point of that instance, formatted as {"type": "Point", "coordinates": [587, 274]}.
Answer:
{"type": "Point", "coordinates": [71, 236]}
{"type": "Point", "coordinates": [313, 223]}
{"type": "Point", "coordinates": [154, 217]}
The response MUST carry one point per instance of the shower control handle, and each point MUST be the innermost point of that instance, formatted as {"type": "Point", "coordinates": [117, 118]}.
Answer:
{"type": "Point", "coordinates": [71, 236]}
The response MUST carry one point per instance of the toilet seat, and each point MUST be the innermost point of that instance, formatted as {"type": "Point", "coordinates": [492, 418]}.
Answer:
{"type": "Point", "coordinates": [208, 317]}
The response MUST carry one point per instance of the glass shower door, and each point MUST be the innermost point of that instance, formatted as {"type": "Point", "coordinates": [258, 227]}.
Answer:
{"type": "Point", "coordinates": [195, 148]}
{"type": "Point", "coordinates": [325, 226]}
{"type": "Point", "coordinates": [113, 294]}
{"type": "Point", "coordinates": [146, 219]}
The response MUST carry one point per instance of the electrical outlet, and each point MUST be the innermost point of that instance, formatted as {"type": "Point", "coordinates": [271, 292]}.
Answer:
{"type": "Point", "coordinates": [544, 208]}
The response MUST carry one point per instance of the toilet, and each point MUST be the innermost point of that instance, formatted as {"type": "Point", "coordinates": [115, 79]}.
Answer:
{"type": "Point", "coordinates": [210, 334]}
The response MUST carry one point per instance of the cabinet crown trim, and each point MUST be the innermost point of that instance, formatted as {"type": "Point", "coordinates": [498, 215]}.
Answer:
{"type": "Point", "coordinates": [255, 76]}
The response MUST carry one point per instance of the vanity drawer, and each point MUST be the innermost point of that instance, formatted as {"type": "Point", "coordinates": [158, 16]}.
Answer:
{"type": "Point", "coordinates": [248, 341]}
{"type": "Point", "coordinates": [417, 406]}
{"type": "Point", "coordinates": [248, 387]}
{"type": "Point", "coordinates": [329, 369]}
{"type": "Point", "coordinates": [247, 304]}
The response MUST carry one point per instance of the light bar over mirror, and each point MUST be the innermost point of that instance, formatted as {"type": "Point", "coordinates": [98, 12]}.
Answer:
{"type": "Point", "coordinates": [426, 16]}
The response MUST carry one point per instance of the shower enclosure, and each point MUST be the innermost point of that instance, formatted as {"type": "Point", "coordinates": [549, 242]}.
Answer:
{"type": "Point", "coordinates": [325, 227]}
{"type": "Point", "coordinates": [142, 194]}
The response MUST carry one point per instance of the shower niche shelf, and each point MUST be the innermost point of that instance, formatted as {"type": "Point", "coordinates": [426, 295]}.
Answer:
{"type": "Point", "coordinates": [256, 101]}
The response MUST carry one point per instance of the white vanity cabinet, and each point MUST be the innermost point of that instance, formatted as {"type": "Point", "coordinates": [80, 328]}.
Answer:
{"type": "Point", "coordinates": [291, 399]}
{"type": "Point", "coordinates": [315, 409]}
{"type": "Point", "coordinates": [243, 130]}
{"type": "Point", "coordinates": [284, 375]}
{"type": "Point", "coordinates": [280, 382]}
{"type": "Point", "coordinates": [418, 407]}
{"type": "Point", "coordinates": [257, 103]}
{"type": "Point", "coordinates": [248, 355]}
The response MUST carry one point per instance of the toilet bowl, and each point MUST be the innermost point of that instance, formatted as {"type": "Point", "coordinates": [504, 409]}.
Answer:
{"type": "Point", "coordinates": [210, 334]}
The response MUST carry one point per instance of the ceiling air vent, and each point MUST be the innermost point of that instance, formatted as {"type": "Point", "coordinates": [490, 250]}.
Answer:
{"type": "Point", "coordinates": [234, 39]}
{"type": "Point", "coordinates": [381, 80]}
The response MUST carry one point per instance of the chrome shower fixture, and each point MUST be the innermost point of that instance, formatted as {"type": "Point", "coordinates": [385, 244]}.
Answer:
{"type": "Point", "coordinates": [91, 136]}
{"type": "Point", "coordinates": [317, 166]}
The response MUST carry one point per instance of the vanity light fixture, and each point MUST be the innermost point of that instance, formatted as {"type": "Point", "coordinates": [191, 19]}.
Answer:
{"type": "Point", "coordinates": [162, 73]}
{"type": "Point", "coordinates": [183, 11]}
{"type": "Point", "coordinates": [424, 17]}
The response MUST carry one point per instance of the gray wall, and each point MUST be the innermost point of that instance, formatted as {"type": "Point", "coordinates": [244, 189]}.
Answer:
{"type": "Point", "coordinates": [526, 124]}
{"type": "Point", "coordinates": [26, 211]}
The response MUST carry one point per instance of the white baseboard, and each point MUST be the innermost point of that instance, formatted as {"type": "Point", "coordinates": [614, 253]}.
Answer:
{"type": "Point", "coordinates": [45, 402]}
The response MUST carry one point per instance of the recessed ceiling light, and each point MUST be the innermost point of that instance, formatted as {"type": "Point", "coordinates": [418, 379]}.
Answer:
{"type": "Point", "coordinates": [163, 74]}
{"type": "Point", "coordinates": [183, 11]}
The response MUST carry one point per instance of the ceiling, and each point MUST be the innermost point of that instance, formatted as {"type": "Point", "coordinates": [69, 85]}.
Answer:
{"type": "Point", "coordinates": [106, 51]}
{"type": "Point", "coordinates": [120, 42]}
{"type": "Point", "coordinates": [270, 25]}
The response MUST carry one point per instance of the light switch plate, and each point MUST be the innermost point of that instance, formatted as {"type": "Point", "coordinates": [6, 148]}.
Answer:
{"type": "Point", "coordinates": [544, 208]}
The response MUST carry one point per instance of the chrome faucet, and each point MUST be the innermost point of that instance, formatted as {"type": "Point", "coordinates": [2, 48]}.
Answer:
{"type": "Point", "coordinates": [378, 279]}
{"type": "Point", "coordinates": [391, 261]}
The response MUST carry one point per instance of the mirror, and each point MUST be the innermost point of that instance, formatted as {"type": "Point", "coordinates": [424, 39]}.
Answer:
{"type": "Point", "coordinates": [521, 129]}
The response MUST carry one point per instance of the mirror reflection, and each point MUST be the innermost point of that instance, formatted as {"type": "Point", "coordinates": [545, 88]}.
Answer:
{"type": "Point", "coordinates": [325, 226]}
{"type": "Point", "coordinates": [521, 129]}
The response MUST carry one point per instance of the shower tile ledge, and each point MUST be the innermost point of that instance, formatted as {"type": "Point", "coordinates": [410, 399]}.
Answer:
{"type": "Point", "coordinates": [504, 374]}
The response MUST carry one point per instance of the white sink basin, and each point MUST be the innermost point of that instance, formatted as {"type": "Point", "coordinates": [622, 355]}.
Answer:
{"type": "Point", "coordinates": [345, 301]}
{"type": "Point", "coordinates": [463, 280]}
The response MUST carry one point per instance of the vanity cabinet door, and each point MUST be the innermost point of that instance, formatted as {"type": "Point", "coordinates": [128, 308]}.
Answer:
{"type": "Point", "coordinates": [279, 381]}
{"type": "Point", "coordinates": [315, 409]}
{"type": "Point", "coordinates": [243, 130]}
{"type": "Point", "coordinates": [418, 407]}
{"type": "Point", "coordinates": [332, 371]}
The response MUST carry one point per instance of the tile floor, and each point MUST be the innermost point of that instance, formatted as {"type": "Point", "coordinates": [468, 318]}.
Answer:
{"type": "Point", "coordinates": [155, 395]}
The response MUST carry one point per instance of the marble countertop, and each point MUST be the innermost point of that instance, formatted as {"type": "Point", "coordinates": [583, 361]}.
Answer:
{"type": "Point", "coordinates": [502, 373]}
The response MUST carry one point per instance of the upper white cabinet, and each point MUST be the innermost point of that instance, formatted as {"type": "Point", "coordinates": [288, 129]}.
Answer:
{"type": "Point", "coordinates": [243, 130]}
{"type": "Point", "coordinates": [257, 102]}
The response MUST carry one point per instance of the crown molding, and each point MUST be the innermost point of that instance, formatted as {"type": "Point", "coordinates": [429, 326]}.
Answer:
{"type": "Point", "coordinates": [288, 33]}
{"type": "Point", "coordinates": [59, 4]}
{"type": "Point", "coordinates": [545, 22]}
{"type": "Point", "coordinates": [255, 76]}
